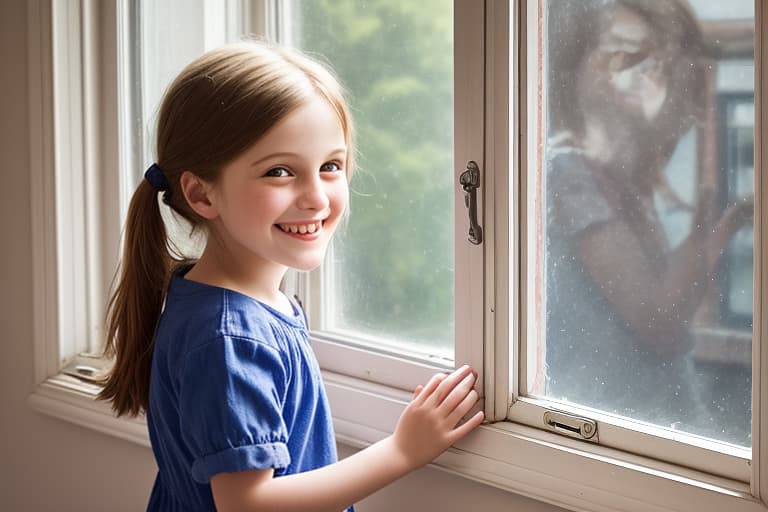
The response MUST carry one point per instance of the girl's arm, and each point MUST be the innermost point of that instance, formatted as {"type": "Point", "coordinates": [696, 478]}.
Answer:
{"type": "Point", "coordinates": [427, 427]}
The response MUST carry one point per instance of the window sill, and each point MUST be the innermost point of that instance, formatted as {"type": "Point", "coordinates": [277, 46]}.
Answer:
{"type": "Point", "coordinates": [73, 400]}
{"type": "Point", "coordinates": [516, 458]}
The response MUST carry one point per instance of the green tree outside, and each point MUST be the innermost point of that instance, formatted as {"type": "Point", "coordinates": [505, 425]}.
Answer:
{"type": "Point", "coordinates": [394, 259]}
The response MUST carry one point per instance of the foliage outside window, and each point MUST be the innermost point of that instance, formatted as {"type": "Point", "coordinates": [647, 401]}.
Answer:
{"type": "Point", "coordinates": [393, 263]}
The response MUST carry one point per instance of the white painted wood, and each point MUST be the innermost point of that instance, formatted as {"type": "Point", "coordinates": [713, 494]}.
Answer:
{"type": "Point", "coordinates": [71, 175]}
{"type": "Point", "coordinates": [108, 167]}
{"type": "Point", "coordinates": [659, 444]}
{"type": "Point", "coordinates": [760, 316]}
{"type": "Point", "coordinates": [500, 280]}
{"type": "Point", "coordinates": [69, 399]}
{"type": "Point", "coordinates": [101, 183]}
{"type": "Point", "coordinates": [469, 140]}
{"type": "Point", "coordinates": [396, 371]}
{"type": "Point", "coordinates": [527, 157]}
{"type": "Point", "coordinates": [42, 189]}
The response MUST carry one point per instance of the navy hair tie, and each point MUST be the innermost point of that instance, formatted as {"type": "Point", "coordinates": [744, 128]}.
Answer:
{"type": "Point", "coordinates": [156, 178]}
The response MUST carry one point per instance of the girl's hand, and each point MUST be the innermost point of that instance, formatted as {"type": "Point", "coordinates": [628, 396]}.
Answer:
{"type": "Point", "coordinates": [428, 426]}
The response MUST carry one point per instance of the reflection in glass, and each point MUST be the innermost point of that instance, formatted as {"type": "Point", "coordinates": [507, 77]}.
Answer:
{"type": "Point", "coordinates": [647, 186]}
{"type": "Point", "coordinates": [393, 262]}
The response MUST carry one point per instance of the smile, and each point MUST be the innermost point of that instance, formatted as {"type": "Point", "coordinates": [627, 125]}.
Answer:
{"type": "Point", "coordinates": [301, 229]}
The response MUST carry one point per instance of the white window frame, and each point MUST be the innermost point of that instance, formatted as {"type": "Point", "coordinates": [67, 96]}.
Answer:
{"type": "Point", "coordinates": [368, 390]}
{"type": "Point", "coordinates": [672, 447]}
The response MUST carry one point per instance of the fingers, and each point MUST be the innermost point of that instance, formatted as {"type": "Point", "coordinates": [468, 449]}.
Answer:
{"type": "Point", "coordinates": [458, 394]}
{"type": "Point", "coordinates": [467, 427]}
{"type": "Point", "coordinates": [462, 409]}
{"type": "Point", "coordinates": [417, 391]}
{"type": "Point", "coordinates": [429, 388]}
{"type": "Point", "coordinates": [448, 384]}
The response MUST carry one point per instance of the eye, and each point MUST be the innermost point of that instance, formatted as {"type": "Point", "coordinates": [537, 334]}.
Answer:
{"type": "Point", "coordinates": [622, 60]}
{"type": "Point", "coordinates": [277, 172]}
{"type": "Point", "coordinates": [330, 167]}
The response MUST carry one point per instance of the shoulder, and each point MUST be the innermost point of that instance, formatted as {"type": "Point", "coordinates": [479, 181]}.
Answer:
{"type": "Point", "coordinates": [203, 312]}
{"type": "Point", "coordinates": [235, 355]}
{"type": "Point", "coordinates": [567, 165]}
{"type": "Point", "coordinates": [575, 199]}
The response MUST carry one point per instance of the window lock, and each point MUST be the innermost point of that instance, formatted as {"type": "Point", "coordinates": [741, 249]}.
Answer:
{"type": "Point", "coordinates": [571, 425]}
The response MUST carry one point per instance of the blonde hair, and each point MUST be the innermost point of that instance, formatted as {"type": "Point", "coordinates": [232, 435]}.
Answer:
{"type": "Point", "coordinates": [218, 106]}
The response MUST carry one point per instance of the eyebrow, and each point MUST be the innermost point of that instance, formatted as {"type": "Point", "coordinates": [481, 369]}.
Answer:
{"type": "Point", "coordinates": [289, 154]}
{"type": "Point", "coordinates": [629, 39]}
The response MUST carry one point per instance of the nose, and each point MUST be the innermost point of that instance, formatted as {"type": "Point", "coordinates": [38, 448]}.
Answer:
{"type": "Point", "coordinates": [312, 194]}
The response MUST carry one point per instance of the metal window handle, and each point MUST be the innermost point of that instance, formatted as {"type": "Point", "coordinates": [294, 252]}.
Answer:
{"type": "Point", "coordinates": [571, 425]}
{"type": "Point", "coordinates": [470, 182]}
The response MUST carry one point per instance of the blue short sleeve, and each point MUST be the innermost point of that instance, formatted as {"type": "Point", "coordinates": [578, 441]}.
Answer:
{"type": "Point", "coordinates": [232, 392]}
{"type": "Point", "coordinates": [574, 197]}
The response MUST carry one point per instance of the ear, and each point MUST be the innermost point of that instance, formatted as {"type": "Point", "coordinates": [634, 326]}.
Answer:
{"type": "Point", "coordinates": [197, 193]}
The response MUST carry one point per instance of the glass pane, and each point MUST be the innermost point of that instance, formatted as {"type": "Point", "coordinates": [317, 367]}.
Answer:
{"type": "Point", "coordinates": [393, 264]}
{"type": "Point", "coordinates": [166, 36]}
{"type": "Point", "coordinates": [642, 185]}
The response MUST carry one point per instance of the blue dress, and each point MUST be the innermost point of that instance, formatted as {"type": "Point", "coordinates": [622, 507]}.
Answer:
{"type": "Point", "coordinates": [234, 387]}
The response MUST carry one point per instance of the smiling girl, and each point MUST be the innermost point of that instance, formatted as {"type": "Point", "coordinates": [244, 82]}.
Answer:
{"type": "Point", "coordinates": [254, 148]}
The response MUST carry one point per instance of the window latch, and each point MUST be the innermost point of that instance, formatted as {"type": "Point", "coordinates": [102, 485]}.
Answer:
{"type": "Point", "coordinates": [571, 425]}
{"type": "Point", "coordinates": [470, 182]}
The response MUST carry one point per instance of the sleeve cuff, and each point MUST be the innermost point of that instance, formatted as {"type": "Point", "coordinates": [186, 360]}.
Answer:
{"type": "Point", "coordinates": [241, 458]}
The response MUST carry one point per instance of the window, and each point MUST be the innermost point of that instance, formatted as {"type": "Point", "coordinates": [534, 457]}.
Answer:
{"type": "Point", "coordinates": [631, 310]}
{"type": "Point", "coordinates": [386, 294]}
{"type": "Point", "coordinates": [392, 266]}
{"type": "Point", "coordinates": [435, 85]}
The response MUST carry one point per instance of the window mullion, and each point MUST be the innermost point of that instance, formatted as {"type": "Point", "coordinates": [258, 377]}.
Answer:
{"type": "Point", "coordinates": [759, 352]}
{"type": "Point", "coordinates": [42, 39]}
{"type": "Point", "coordinates": [469, 84]}
{"type": "Point", "coordinates": [270, 19]}
{"type": "Point", "coordinates": [100, 189]}
{"type": "Point", "coordinates": [71, 215]}
{"type": "Point", "coordinates": [500, 219]}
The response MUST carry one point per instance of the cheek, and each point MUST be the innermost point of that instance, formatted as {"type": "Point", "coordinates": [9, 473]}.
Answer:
{"type": "Point", "coordinates": [339, 195]}
{"type": "Point", "coordinates": [249, 205]}
{"type": "Point", "coordinates": [268, 204]}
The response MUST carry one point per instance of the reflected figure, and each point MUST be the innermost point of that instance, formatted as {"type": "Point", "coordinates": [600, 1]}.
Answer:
{"type": "Point", "coordinates": [626, 82]}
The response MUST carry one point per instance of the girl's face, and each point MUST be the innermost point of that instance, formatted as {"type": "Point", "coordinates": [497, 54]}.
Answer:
{"type": "Point", "coordinates": [280, 202]}
{"type": "Point", "coordinates": [622, 86]}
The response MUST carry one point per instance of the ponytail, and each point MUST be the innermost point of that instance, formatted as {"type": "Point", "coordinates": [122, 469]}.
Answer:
{"type": "Point", "coordinates": [134, 309]}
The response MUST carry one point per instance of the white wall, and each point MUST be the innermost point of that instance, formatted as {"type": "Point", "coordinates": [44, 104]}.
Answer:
{"type": "Point", "coordinates": [47, 464]}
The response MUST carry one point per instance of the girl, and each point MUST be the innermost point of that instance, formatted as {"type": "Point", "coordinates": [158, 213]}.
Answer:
{"type": "Point", "coordinates": [254, 147]}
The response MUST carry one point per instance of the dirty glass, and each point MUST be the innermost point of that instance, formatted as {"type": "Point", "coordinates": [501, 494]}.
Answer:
{"type": "Point", "coordinates": [641, 174]}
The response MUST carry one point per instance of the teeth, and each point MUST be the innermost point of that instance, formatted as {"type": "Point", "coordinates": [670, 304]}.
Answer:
{"type": "Point", "coordinates": [301, 229]}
